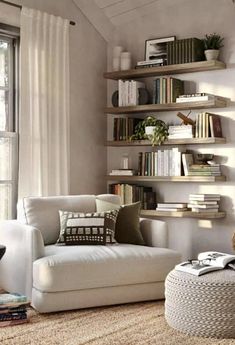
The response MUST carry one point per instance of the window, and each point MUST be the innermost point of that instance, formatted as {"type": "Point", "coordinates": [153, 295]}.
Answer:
{"type": "Point", "coordinates": [8, 120]}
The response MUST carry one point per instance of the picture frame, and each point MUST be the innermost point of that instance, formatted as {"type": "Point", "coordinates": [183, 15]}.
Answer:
{"type": "Point", "coordinates": [156, 48]}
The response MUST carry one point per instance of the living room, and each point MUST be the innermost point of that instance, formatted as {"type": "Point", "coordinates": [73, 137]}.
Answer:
{"type": "Point", "coordinates": [74, 58]}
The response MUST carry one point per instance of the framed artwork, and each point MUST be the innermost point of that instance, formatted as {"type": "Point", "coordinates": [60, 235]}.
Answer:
{"type": "Point", "coordinates": [156, 48]}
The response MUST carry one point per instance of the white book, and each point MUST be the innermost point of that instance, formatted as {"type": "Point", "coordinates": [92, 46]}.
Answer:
{"type": "Point", "coordinates": [180, 136]}
{"type": "Point", "coordinates": [203, 206]}
{"type": "Point", "coordinates": [201, 210]}
{"type": "Point", "coordinates": [156, 164]}
{"type": "Point", "coordinates": [171, 209]}
{"type": "Point", "coordinates": [165, 163]}
{"type": "Point", "coordinates": [150, 62]}
{"type": "Point", "coordinates": [120, 91]}
{"type": "Point", "coordinates": [206, 262]}
{"type": "Point", "coordinates": [172, 205]}
{"type": "Point", "coordinates": [194, 99]}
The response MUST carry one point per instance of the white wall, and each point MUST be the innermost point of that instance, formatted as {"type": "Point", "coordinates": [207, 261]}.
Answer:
{"type": "Point", "coordinates": [190, 18]}
{"type": "Point", "coordinates": [88, 93]}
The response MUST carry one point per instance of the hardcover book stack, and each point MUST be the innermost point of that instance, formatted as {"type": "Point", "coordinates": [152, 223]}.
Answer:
{"type": "Point", "coordinates": [123, 128]}
{"type": "Point", "coordinates": [205, 203]}
{"type": "Point", "coordinates": [167, 90]}
{"type": "Point", "coordinates": [201, 168]}
{"type": "Point", "coordinates": [160, 163]}
{"type": "Point", "coordinates": [133, 193]}
{"type": "Point", "coordinates": [208, 126]}
{"type": "Point", "coordinates": [172, 206]}
{"type": "Point", "coordinates": [180, 132]}
{"type": "Point", "coordinates": [159, 61]}
{"type": "Point", "coordinates": [13, 309]}
{"type": "Point", "coordinates": [197, 97]}
{"type": "Point", "coordinates": [128, 92]}
{"type": "Point", "coordinates": [184, 51]}
{"type": "Point", "coordinates": [122, 172]}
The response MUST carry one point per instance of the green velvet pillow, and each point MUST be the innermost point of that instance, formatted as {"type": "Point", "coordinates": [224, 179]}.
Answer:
{"type": "Point", "coordinates": [127, 228]}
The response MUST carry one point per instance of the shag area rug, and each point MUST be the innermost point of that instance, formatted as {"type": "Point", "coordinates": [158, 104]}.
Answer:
{"type": "Point", "coordinates": [130, 324]}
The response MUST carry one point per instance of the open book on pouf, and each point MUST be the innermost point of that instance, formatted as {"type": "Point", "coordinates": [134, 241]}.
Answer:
{"type": "Point", "coordinates": [207, 262]}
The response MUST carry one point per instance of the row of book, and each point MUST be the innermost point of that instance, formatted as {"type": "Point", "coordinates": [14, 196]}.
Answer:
{"type": "Point", "coordinates": [208, 125]}
{"type": "Point", "coordinates": [128, 92]}
{"type": "Point", "coordinates": [133, 193]}
{"type": "Point", "coordinates": [192, 168]}
{"type": "Point", "coordinates": [13, 309]}
{"type": "Point", "coordinates": [167, 90]}
{"type": "Point", "coordinates": [160, 163]}
{"type": "Point", "coordinates": [123, 128]}
{"type": "Point", "coordinates": [184, 51]}
{"type": "Point", "coordinates": [199, 203]}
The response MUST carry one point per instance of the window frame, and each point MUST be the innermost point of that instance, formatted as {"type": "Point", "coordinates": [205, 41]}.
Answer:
{"type": "Point", "coordinates": [12, 35]}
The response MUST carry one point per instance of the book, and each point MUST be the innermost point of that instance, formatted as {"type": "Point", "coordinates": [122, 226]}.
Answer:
{"type": "Point", "coordinates": [203, 206]}
{"type": "Point", "coordinates": [172, 205]}
{"type": "Point", "coordinates": [206, 262]}
{"type": "Point", "coordinates": [215, 126]}
{"type": "Point", "coordinates": [197, 202]}
{"type": "Point", "coordinates": [122, 172]}
{"type": "Point", "coordinates": [171, 209]}
{"type": "Point", "coordinates": [201, 210]}
{"type": "Point", "coordinates": [187, 161]}
{"type": "Point", "coordinates": [11, 298]}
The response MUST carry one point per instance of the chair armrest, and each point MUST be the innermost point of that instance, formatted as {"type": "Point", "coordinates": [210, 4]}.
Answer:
{"type": "Point", "coordinates": [24, 244]}
{"type": "Point", "coordinates": [154, 232]}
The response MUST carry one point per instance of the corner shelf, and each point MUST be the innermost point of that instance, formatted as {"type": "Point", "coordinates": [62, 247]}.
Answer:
{"type": "Point", "coordinates": [207, 179]}
{"type": "Point", "coordinates": [216, 102]}
{"type": "Point", "coordinates": [183, 214]}
{"type": "Point", "coordinates": [186, 141]}
{"type": "Point", "coordinates": [200, 66]}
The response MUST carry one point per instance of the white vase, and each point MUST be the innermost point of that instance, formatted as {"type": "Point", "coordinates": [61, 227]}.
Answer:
{"type": "Point", "coordinates": [125, 61]}
{"type": "Point", "coordinates": [149, 130]}
{"type": "Point", "coordinates": [211, 54]}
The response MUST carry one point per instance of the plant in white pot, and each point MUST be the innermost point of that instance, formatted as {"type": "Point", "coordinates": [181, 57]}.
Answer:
{"type": "Point", "coordinates": [212, 44]}
{"type": "Point", "coordinates": [151, 129]}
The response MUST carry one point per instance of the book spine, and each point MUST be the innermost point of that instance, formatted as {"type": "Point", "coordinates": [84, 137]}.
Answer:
{"type": "Point", "coordinates": [154, 91]}
{"type": "Point", "coordinates": [158, 91]}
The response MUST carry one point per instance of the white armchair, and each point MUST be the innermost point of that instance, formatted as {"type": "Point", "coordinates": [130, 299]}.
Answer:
{"type": "Point", "coordinates": [70, 277]}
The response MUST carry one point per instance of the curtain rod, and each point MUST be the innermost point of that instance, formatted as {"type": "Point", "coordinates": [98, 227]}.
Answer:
{"type": "Point", "coordinates": [20, 7]}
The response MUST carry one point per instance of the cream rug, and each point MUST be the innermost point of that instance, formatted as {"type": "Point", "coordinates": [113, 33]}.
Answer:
{"type": "Point", "coordinates": [130, 324]}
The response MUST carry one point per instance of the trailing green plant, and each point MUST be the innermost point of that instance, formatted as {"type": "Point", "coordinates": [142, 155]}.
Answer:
{"type": "Point", "coordinates": [160, 131]}
{"type": "Point", "coordinates": [213, 41]}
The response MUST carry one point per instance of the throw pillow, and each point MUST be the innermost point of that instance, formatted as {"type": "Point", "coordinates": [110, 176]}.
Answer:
{"type": "Point", "coordinates": [87, 228]}
{"type": "Point", "coordinates": [127, 226]}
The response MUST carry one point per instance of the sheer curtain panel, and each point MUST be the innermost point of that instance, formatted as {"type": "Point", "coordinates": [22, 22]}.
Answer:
{"type": "Point", "coordinates": [44, 105]}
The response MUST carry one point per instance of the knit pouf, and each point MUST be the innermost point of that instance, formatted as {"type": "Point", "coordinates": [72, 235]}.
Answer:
{"type": "Point", "coordinates": [202, 306]}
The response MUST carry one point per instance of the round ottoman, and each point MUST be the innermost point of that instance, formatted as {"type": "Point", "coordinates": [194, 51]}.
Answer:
{"type": "Point", "coordinates": [202, 306]}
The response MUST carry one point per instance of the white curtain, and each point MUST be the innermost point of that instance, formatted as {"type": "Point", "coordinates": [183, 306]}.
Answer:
{"type": "Point", "coordinates": [44, 105]}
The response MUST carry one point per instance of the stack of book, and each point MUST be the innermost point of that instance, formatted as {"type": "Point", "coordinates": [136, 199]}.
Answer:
{"type": "Point", "coordinates": [167, 90]}
{"type": "Point", "coordinates": [204, 202]}
{"type": "Point", "coordinates": [128, 92]}
{"type": "Point", "coordinates": [160, 163]}
{"type": "Point", "coordinates": [122, 172]}
{"type": "Point", "coordinates": [199, 169]}
{"type": "Point", "coordinates": [123, 128]}
{"type": "Point", "coordinates": [133, 193]}
{"type": "Point", "coordinates": [197, 97]}
{"type": "Point", "coordinates": [180, 132]}
{"type": "Point", "coordinates": [184, 51]}
{"type": "Point", "coordinates": [160, 61]}
{"type": "Point", "coordinates": [172, 206]}
{"type": "Point", "coordinates": [208, 126]}
{"type": "Point", "coordinates": [13, 309]}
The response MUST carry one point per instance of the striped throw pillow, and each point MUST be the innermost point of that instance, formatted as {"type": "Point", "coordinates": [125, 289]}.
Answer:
{"type": "Point", "coordinates": [87, 228]}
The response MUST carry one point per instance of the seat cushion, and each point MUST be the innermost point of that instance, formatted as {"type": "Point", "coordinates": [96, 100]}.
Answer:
{"type": "Point", "coordinates": [87, 267]}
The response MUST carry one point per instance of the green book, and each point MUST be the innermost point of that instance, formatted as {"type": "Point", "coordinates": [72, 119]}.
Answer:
{"type": "Point", "coordinates": [197, 50]}
{"type": "Point", "coordinates": [168, 54]}
{"type": "Point", "coordinates": [190, 50]}
{"type": "Point", "coordinates": [176, 52]}
{"type": "Point", "coordinates": [177, 88]}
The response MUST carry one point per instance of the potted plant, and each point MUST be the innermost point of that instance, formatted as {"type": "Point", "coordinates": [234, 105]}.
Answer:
{"type": "Point", "coordinates": [151, 129]}
{"type": "Point", "coordinates": [212, 44]}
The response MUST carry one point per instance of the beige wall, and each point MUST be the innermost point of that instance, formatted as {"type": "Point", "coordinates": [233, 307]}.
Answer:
{"type": "Point", "coordinates": [190, 18]}
{"type": "Point", "coordinates": [88, 93]}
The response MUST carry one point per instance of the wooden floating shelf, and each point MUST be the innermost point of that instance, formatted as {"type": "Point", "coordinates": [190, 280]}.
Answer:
{"type": "Point", "coordinates": [200, 66]}
{"type": "Point", "coordinates": [183, 214]}
{"type": "Point", "coordinates": [188, 141]}
{"type": "Point", "coordinates": [208, 179]}
{"type": "Point", "coordinates": [213, 103]}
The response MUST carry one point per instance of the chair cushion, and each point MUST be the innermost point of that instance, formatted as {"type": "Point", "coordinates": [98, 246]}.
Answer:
{"type": "Point", "coordinates": [87, 228]}
{"type": "Point", "coordinates": [66, 268]}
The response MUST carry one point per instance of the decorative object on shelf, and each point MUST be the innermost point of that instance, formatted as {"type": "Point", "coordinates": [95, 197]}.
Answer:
{"type": "Point", "coordinates": [125, 62]}
{"type": "Point", "coordinates": [159, 134]}
{"type": "Point", "coordinates": [212, 44]}
{"type": "Point", "coordinates": [186, 119]}
{"type": "Point", "coordinates": [114, 99]}
{"type": "Point", "coordinates": [203, 157]}
{"type": "Point", "coordinates": [116, 57]}
{"type": "Point", "coordinates": [125, 164]}
{"type": "Point", "coordinates": [2, 250]}
{"type": "Point", "coordinates": [155, 49]}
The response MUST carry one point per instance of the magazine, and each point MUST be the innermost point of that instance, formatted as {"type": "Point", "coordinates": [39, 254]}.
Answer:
{"type": "Point", "coordinates": [207, 262]}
